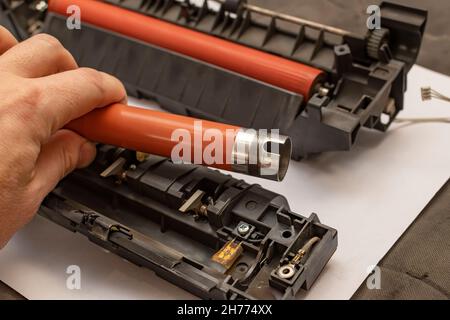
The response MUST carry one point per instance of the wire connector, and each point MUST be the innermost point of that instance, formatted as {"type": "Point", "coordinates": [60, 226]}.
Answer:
{"type": "Point", "coordinates": [428, 93]}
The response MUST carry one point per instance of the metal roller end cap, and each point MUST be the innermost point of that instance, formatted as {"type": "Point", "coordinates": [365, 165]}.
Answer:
{"type": "Point", "coordinates": [262, 154]}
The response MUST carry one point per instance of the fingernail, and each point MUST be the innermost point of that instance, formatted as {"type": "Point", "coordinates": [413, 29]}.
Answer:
{"type": "Point", "coordinates": [87, 154]}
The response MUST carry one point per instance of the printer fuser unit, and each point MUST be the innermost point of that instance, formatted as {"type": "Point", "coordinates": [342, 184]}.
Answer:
{"type": "Point", "coordinates": [211, 234]}
{"type": "Point", "coordinates": [214, 235]}
{"type": "Point", "coordinates": [232, 62]}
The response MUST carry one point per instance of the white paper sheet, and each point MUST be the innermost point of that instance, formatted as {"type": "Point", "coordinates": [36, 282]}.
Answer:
{"type": "Point", "coordinates": [370, 195]}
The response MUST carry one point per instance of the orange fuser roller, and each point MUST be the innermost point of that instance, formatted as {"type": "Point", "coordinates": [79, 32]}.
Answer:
{"type": "Point", "coordinates": [187, 139]}
{"type": "Point", "coordinates": [253, 63]}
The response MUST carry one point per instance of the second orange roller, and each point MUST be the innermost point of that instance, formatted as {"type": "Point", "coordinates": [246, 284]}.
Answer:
{"type": "Point", "coordinates": [281, 72]}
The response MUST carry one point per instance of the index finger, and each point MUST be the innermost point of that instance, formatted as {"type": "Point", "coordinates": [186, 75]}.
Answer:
{"type": "Point", "coordinates": [7, 40]}
{"type": "Point", "coordinates": [71, 94]}
{"type": "Point", "coordinates": [38, 56]}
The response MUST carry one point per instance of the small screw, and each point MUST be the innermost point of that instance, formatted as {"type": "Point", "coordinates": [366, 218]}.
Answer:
{"type": "Point", "coordinates": [133, 167]}
{"type": "Point", "coordinates": [243, 229]}
{"type": "Point", "coordinates": [286, 272]}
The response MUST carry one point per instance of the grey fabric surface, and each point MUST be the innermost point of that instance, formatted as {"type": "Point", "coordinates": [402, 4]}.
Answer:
{"type": "Point", "coordinates": [6, 293]}
{"type": "Point", "coordinates": [398, 285]}
{"type": "Point", "coordinates": [418, 265]}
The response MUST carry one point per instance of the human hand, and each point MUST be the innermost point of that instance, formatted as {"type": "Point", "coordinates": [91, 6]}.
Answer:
{"type": "Point", "coordinates": [41, 90]}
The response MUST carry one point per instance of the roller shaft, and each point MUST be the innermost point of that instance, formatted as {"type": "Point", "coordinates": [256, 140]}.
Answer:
{"type": "Point", "coordinates": [208, 143]}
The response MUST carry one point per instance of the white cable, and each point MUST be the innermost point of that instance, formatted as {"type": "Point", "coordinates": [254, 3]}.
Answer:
{"type": "Point", "coordinates": [423, 120]}
{"type": "Point", "coordinates": [427, 94]}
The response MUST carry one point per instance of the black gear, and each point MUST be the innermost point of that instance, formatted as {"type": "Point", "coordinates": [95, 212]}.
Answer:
{"type": "Point", "coordinates": [376, 39]}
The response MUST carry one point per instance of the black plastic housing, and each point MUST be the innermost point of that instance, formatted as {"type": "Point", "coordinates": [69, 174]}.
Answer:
{"type": "Point", "coordinates": [314, 46]}
{"type": "Point", "coordinates": [7, 20]}
{"type": "Point", "coordinates": [363, 91]}
{"type": "Point", "coordinates": [21, 17]}
{"type": "Point", "coordinates": [136, 215]}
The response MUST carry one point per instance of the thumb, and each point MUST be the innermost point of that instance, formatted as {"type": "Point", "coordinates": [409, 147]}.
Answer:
{"type": "Point", "coordinates": [63, 153]}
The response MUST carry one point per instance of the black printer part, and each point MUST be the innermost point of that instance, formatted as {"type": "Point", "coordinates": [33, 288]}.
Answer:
{"type": "Point", "coordinates": [22, 17]}
{"type": "Point", "coordinates": [211, 234]}
{"type": "Point", "coordinates": [215, 236]}
{"type": "Point", "coordinates": [292, 37]}
{"type": "Point", "coordinates": [363, 88]}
